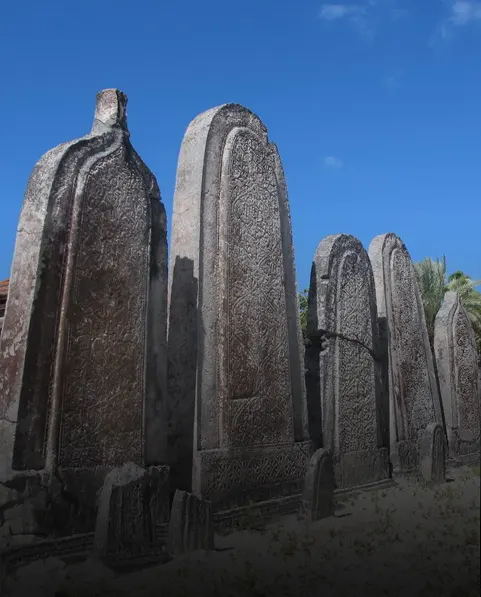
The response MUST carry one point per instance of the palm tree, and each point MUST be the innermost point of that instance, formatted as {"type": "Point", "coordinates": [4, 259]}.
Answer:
{"type": "Point", "coordinates": [303, 301]}
{"type": "Point", "coordinates": [433, 285]}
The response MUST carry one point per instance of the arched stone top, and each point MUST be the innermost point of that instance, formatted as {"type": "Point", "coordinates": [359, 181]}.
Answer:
{"type": "Point", "coordinates": [450, 305]}
{"type": "Point", "coordinates": [223, 118]}
{"type": "Point", "coordinates": [379, 247]}
{"type": "Point", "coordinates": [327, 259]}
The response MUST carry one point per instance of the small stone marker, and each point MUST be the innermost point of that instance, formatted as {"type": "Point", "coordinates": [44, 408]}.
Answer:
{"type": "Point", "coordinates": [433, 454]}
{"type": "Point", "coordinates": [318, 495]}
{"type": "Point", "coordinates": [191, 525]}
{"type": "Point", "coordinates": [133, 502]}
{"type": "Point", "coordinates": [457, 363]}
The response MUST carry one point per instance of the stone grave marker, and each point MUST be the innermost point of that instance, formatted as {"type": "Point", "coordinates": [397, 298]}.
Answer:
{"type": "Point", "coordinates": [457, 364]}
{"type": "Point", "coordinates": [319, 485]}
{"type": "Point", "coordinates": [413, 389]}
{"type": "Point", "coordinates": [237, 409]}
{"type": "Point", "coordinates": [191, 525]}
{"type": "Point", "coordinates": [433, 454]}
{"type": "Point", "coordinates": [82, 356]}
{"type": "Point", "coordinates": [350, 407]}
{"type": "Point", "coordinates": [133, 504]}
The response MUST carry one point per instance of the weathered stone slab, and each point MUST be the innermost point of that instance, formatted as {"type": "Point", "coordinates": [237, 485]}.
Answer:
{"type": "Point", "coordinates": [3, 302]}
{"type": "Point", "coordinates": [433, 453]}
{"type": "Point", "coordinates": [132, 503]}
{"type": "Point", "coordinates": [319, 484]}
{"type": "Point", "coordinates": [237, 412]}
{"type": "Point", "coordinates": [458, 374]}
{"type": "Point", "coordinates": [82, 368]}
{"type": "Point", "coordinates": [191, 525]}
{"type": "Point", "coordinates": [413, 390]}
{"type": "Point", "coordinates": [349, 411]}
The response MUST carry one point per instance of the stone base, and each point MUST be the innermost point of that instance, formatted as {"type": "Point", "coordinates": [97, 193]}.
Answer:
{"type": "Point", "coordinates": [405, 457]}
{"type": "Point", "coordinates": [463, 442]}
{"type": "Point", "coordinates": [362, 467]}
{"type": "Point", "coordinates": [342, 495]}
{"type": "Point", "coordinates": [463, 446]}
{"type": "Point", "coordinates": [464, 460]}
{"type": "Point", "coordinates": [78, 548]}
{"type": "Point", "coordinates": [41, 505]}
{"type": "Point", "coordinates": [69, 549]}
{"type": "Point", "coordinates": [235, 478]}
{"type": "Point", "coordinates": [256, 515]}
{"type": "Point", "coordinates": [26, 508]}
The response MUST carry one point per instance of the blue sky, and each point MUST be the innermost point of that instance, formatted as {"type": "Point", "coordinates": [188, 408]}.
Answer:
{"type": "Point", "coordinates": [375, 105]}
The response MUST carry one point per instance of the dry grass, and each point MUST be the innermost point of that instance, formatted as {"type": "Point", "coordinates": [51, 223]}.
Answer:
{"type": "Point", "coordinates": [412, 539]}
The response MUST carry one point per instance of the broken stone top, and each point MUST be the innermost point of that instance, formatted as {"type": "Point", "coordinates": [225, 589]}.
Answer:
{"type": "Point", "coordinates": [110, 110]}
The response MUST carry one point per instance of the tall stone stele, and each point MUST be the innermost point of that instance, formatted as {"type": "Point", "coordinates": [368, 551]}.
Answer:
{"type": "Point", "coordinates": [348, 407]}
{"type": "Point", "coordinates": [82, 358]}
{"type": "Point", "coordinates": [457, 363]}
{"type": "Point", "coordinates": [237, 408]}
{"type": "Point", "coordinates": [414, 401]}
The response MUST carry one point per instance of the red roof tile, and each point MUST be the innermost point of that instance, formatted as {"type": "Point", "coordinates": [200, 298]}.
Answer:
{"type": "Point", "coordinates": [4, 288]}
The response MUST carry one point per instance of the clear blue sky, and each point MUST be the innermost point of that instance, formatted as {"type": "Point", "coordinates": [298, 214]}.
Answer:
{"type": "Point", "coordinates": [375, 106]}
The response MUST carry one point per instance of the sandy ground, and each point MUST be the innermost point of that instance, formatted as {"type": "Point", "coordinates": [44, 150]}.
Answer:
{"type": "Point", "coordinates": [411, 539]}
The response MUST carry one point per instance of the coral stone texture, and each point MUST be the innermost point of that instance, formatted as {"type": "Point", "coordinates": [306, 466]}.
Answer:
{"type": "Point", "coordinates": [191, 524]}
{"type": "Point", "coordinates": [83, 343]}
{"type": "Point", "coordinates": [133, 503]}
{"type": "Point", "coordinates": [3, 301]}
{"type": "Point", "coordinates": [457, 364]}
{"type": "Point", "coordinates": [413, 390]}
{"type": "Point", "coordinates": [237, 412]}
{"type": "Point", "coordinates": [350, 403]}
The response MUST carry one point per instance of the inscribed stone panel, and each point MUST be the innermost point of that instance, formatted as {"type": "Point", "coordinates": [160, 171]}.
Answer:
{"type": "Point", "coordinates": [257, 402]}
{"type": "Point", "coordinates": [104, 386]}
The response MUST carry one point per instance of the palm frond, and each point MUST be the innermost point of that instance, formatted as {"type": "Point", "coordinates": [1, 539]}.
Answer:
{"type": "Point", "coordinates": [433, 284]}
{"type": "Point", "coordinates": [431, 275]}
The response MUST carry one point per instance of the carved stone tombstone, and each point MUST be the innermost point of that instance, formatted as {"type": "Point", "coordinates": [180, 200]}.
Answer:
{"type": "Point", "coordinates": [133, 504]}
{"type": "Point", "coordinates": [318, 494]}
{"type": "Point", "coordinates": [413, 390]}
{"type": "Point", "coordinates": [191, 525]}
{"type": "Point", "coordinates": [237, 413]}
{"type": "Point", "coordinates": [342, 322]}
{"type": "Point", "coordinates": [457, 362]}
{"type": "Point", "coordinates": [83, 342]}
{"type": "Point", "coordinates": [433, 454]}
